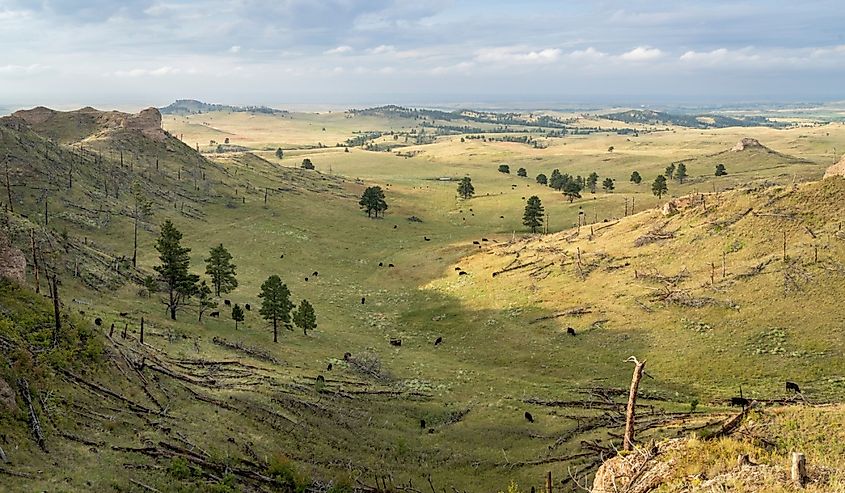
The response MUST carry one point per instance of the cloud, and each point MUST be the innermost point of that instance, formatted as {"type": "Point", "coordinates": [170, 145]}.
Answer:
{"type": "Point", "coordinates": [516, 55]}
{"type": "Point", "coordinates": [642, 54]}
{"type": "Point", "coordinates": [381, 49]}
{"type": "Point", "coordinates": [30, 69]}
{"type": "Point", "coordinates": [235, 49]}
{"type": "Point", "coordinates": [588, 54]}
{"type": "Point", "coordinates": [338, 50]}
{"type": "Point", "coordinates": [154, 72]}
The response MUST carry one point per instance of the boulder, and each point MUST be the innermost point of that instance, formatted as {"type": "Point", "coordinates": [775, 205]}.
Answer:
{"type": "Point", "coordinates": [12, 262]}
{"type": "Point", "coordinates": [746, 143]}
{"type": "Point", "coordinates": [837, 169]}
{"type": "Point", "coordinates": [8, 400]}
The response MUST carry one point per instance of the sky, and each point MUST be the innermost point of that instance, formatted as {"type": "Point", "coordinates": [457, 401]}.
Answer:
{"type": "Point", "coordinates": [335, 52]}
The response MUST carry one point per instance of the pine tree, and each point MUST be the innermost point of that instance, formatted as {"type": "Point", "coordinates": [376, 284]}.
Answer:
{"type": "Point", "coordinates": [237, 314]}
{"type": "Point", "coordinates": [372, 201]}
{"type": "Point", "coordinates": [572, 190]}
{"type": "Point", "coordinates": [275, 304]}
{"type": "Point", "coordinates": [681, 172]}
{"type": "Point", "coordinates": [720, 170]}
{"type": "Point", "coordinates": [173, 271]}
{"type": "Point", "coordinates": [522, 172]}
{"type": "Point", "coordinates": [608, 185]}
{"type": "Point", "coordinates": [142, 208]}
{"type": "Point", "coordinates": [659, 187]}
{"type": "Point", "coordinates": [465, 188]}
{"type": "Point", "coordinates": [204, 299]}
{"type": "Point", "coordinates": [304, 317]}
{"type": "Point", "coordinates": [542, 180]}
{"type": "Point", "coordinates": [219, 266]}
{"type": "Point", "coordinates": [670, 171]}
{"type": "Point", "coordinates": [636, 178]}
{"type": "Point", "coordinates": [533, 216]}
{"type": "Point", "coordinates": [280, 153]}
{"type": "Point", "coordinates": [504, 168]}
{"type": "Point", "coordinates": [592, 181]}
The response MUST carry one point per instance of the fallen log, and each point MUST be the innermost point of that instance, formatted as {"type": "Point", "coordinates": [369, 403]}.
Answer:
{"type": "Point", "coordinates": [34, 424]}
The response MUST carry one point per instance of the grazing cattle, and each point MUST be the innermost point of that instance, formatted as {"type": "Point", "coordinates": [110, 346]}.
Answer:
{"type": "Point", "coordinates": [793, 387]}
{"type": "Point", "coordinates": [458, 268]}
{"type": "Point", "coordinates": [426, 238]}
{"type": "Point", "coordinates": [321, 379]}
{"type": "Point", "coordinates": [329, 367]}
{"type": "Point", "coordinates": [523, 198]}
{"type": "Point", "coordinates": [470, 209]}
{"type": "Point", "coordinates": [739, 401]}
{"type": "Point", "coordinates": [214, 314]}
{"type": "Point", "coordinates": [476, 243]}
{"type": "Point", "coordinates": [570, 331]}
{"type": "Point", "coordinates": [346, 356]}
{"type": "Point", "coordinates": [529, 417]}
{"type": "Point", "coordinates": [227, 302]}
{"type": "Point", "coordinates": [463, 273]}
{"type": "Point", "coordinates": [124, 314]}
{"type": "Point", "coordinates": [98, 321]}
{"type": "Point", "coordinates": [391, 265]}
{"type": "Point", "coordinates": [395, 226]}
{"type": "Point", "coordinates": [315, 274]}
{"type": "Point", "coordinates": [438, 340]}
{"type": "Point", "coordinates": [306, 279]}
{"type": "Point", "coordinates": [82, 312]}
{"type": "Point", "coordinates": [381, 264]}
{"type": "Point", "coordinates": [282, 256]}
{"type": "Point", "coordinates": [422, 424]}
{"type": "Point", "coordinates": [484, 239]}
{"type": "Point", "coordinates": [363, 300]}
{"type": "Point", "coordinates": [396, 342]}
{"type": "Point", "coordinates": [248, 308]}
{"type": "Point", "coordinates": [501, 217]}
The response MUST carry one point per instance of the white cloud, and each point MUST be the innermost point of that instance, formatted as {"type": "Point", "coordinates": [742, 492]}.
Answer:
{"type": "Point", "coordinates": [381, 49]}
{"type": "Point", "coordinates": [235, 49]}
{"type": "Point", "coordinates": [511, 54]}
{"type": "Point", "coordinates": [642, 54]}
{"type": "Point", "coordinates": [22, 69]}
{"type": "Point", "coordinates": [587, 54]}
{"type": "Point", "coordinates": [153, 72]}
{"type": "Point", "coordinates": [340, 50]}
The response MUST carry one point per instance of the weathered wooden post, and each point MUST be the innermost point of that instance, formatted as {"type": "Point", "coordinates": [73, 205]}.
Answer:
{"type": "Point", "coordinates": [628, 442]}
{"type": "Point", "coordinates": [799, 469]}
{"type": "Point", "coordinates": [549, 482]}
{"type": "Point", "coordinates": [142, 330]}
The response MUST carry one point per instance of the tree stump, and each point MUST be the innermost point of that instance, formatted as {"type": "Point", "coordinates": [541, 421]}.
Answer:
{"type": "Point", "coordinates": [799, 469]}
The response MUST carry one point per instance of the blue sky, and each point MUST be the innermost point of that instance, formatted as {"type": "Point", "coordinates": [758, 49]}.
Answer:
{"type": "Point", "coordinates": [148, 52]}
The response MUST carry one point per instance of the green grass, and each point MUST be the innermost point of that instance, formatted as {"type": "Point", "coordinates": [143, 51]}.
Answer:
{"type": "Point", "coordinates": [493, 357]}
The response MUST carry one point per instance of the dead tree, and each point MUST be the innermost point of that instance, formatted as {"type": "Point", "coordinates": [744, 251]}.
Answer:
{"type": "Point", "coordinates": [628, 442]}
{"type": "Point", "coordinates": [54, 291]}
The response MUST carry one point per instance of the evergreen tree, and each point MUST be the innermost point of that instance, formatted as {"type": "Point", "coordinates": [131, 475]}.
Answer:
{"type": "Point", "coordinates": [280, 153]}
{"type": "Point", "coordinates": [142, 208]}
{"type": "Point", "coordinates": [219, 266]}
{"type": "Point", "coordinates": [542, 180]}
{"type": "Point", "coordinates": [670, 171]}
{"type": "Point", "coordinates": [659, 187]}
{"type": "Point", "coordinates": [720, 170]}
{"type": "Point", "coordinates": [504, 168]}
{"type": "Point", "coordinates": [592, 181]}
{"type": "Point", "coordinates": [533, 216]}
{"type": "Point", "coordinates": [465, 188]}
{"type": "Point", "coordinates": [173, 271]}
{"type": "Point", "coordinates": [555, 175]}
{"type": "Point", "coordinates": [237, 314]}
{"type": "Point", "coordinates": [608, 185]}
{"type": "Point", "coordinates": [204, 299]}
{"type": "Point", "coordinates": [373, 201]}
{"type": "Point", "coordinates": [572, 190]}
{"type": "Point", "coordinates": [304, 317]}
{"type": "Point", "coordinates": [275, 304]}
{"type": "Point", "coordinates": [522, 172]}
{"type": "Point", "coordinates": [681, 172]}
{"type": "Point", "coordinates": [636, 178]}
{"type": "Point", "coordinates": [307, 164]}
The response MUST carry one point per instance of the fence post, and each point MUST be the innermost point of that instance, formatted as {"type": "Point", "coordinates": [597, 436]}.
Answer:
{"type": "Point", "coordinates": [799, 469]}
{"type": "Point", "coordinates": [549, 482]}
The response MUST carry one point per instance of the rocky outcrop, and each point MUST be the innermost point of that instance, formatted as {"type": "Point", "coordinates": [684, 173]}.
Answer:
{"type": "Point", "coordinates": [71, 126]}
{"type": "Point", "coordinates": [837, 169]}
{"type": "Point", "coordinates": [8, 400]}
{"type": "Point", "coordinates": [747, 143]}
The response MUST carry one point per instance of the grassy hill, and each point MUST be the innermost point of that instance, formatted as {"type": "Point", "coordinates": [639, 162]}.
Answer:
{"type": "Point", "coordinates": [240, 404]}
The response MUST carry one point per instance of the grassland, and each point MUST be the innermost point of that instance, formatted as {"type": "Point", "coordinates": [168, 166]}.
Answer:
{"type": "Point", "coordinates": [495, 362]}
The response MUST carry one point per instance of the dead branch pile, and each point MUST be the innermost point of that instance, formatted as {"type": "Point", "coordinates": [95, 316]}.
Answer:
{"type": "Point", "coordinates": [572, 312]}
{"type": "Point", "coordinates": [656, 234]}
{"type": "Point", "coordinates": [252, 351]}
{"type": "Point", "coordinates": [656, 276]}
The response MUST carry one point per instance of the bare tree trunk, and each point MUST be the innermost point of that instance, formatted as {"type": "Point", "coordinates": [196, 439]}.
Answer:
{"type": "Point", "coordinates": [142, 330]}
{"type": "Point", "coordinates": [54, 288]}
{"type": "Point", "coordinates": [135, 244]}
{"type": "Point", "coordinates": [275, 330]}
{"type": "Point", "coordinates": [799, 469]}
{"type": "Point", "coordinates": [35, 261]}
{"type": "Point", "coordinates": [628, 443]}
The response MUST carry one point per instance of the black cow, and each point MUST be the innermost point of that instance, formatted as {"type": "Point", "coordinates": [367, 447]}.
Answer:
{"type": "Point", "coordinates": [306, 279]}
{"type": "Point", "coordinates": [381, 264]}
{"type": "Point", "coordinates": [396, 342]}
{"type": "Point", "coordinates": [124, 314]}
{"type": "Point", "coordinates": [98, 321]}
{"type": "Point", "coordinates": [792, 387]}
{"type": "Point", "coordinates": [329, 367]}
{"type": "Point", "coordinates": [395, 226]}
{"type": "Point", "coordinates": [391, 265]}
{"type": "Point", "coordinates": [321, 379]}
{"type": "Point", "coordinates": [570, 331]}
{"type": "Point", "coordinates": [529, 417]}
{"type": "Point", "coordinates": [740, 401]}
{"type": "Point", "coordinates": [214, 314]}
{"type": "Point", "coordinates": [476, 243]}
{"type": "Point", "coordinates": [426, 238]}
{"type": "Point", "coordinates": [248, 308]}
{"type": "Point", "coordinates": [463, 273]}
{"type": "Point", "coordinates": [484, 239]}
{"type": "Point", "coordinates": [458, 268]}
{"type": "Point", "coordinates": [422, 424]}
{"type": "Point", "coordinates": [315, 274]}
{"type": "Point", "coordinates": [363, 300]}
{"type": "Point", "coordinates": [438, 341]}
{"type": "Point", "coordinates": [227, 302]}
{"type": "Point", "coordinates": [346, 356]}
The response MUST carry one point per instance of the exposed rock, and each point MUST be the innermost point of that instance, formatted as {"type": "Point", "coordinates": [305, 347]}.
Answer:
{"type": "Point", "coordinates": [746, 143]}
{"type": "Point", "coordinates": [837, 169]}
{"type": "Point", "coordinates": [8, 401]}
{"type": "Point", "coordinates": [88, 121]}
{"type": "Point", "coordinates": [12, 262]}
{"type": "Point", "coordinates": [639, 471]}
